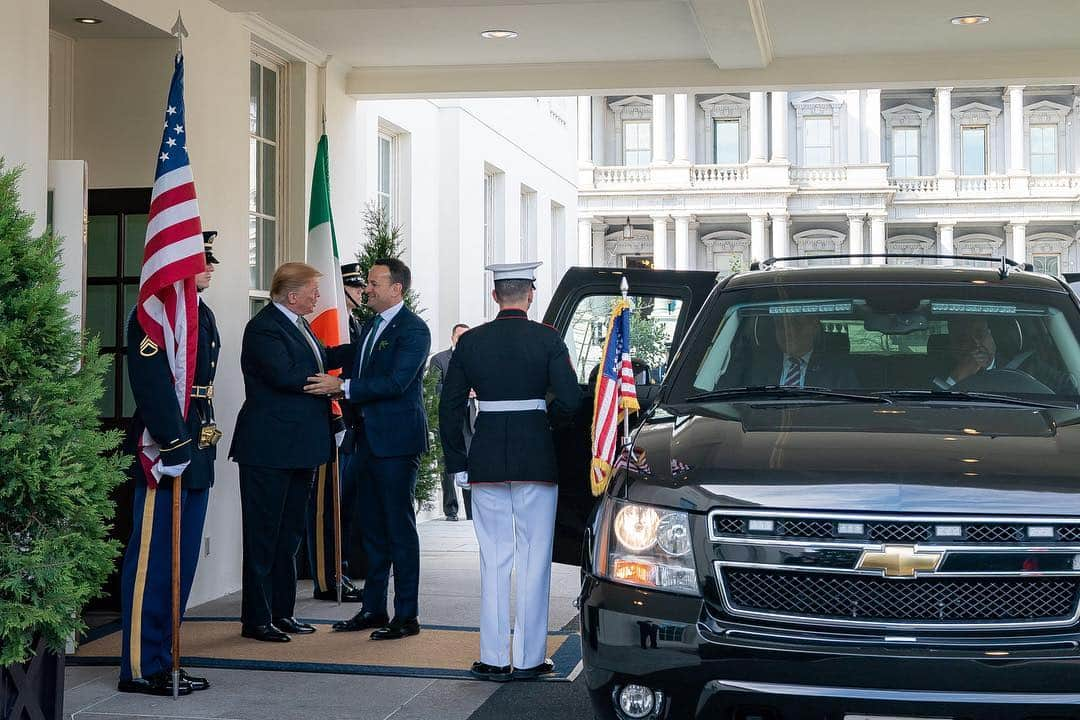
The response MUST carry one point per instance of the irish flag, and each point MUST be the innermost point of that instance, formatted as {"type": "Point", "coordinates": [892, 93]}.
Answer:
{"type": "Point", "coordinates": [331, 323]}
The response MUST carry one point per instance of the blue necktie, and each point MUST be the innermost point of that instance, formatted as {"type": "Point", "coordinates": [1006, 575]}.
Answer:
{"type": "Point", "coordinates": [369, 341]}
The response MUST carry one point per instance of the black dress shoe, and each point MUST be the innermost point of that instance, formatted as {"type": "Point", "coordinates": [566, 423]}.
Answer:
{"type": "Point", "coordinates": [265, 633]}
{"type": "Point", "coordinates": [293, 626]}
{"type": "Point", "coordinates": [361, 621]}
{"type": "Point", "coordinates": [397, 629]}
{"type": "Point", "coordinates": [196, 683]}
{"type": "Point", "coordinates": [350, 585]}
{"type": "Point", "coordinates": [495, 673]}
{"type": "Point", "coordinates": [159, 683]}
{"type": "Point", "coordinates": [349, 594]}
{"type": "Point", "coordinates": [536, 671]}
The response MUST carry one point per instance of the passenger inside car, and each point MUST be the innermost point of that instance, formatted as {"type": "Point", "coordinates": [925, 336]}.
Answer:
{"type": "Point", "coordinates": [796, 353]}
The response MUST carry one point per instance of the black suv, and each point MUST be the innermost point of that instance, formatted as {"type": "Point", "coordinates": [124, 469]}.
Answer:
{"type": "Point", "coordinates": [853, 492]}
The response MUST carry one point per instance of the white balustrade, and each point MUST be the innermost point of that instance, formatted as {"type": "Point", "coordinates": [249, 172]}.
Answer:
{"type": "Point", "coordinates": [982, 183]}
{"type": "Point", "coordinates": [819, 175]}
{"type": "Point", "coordinates": [621, 175]}
{"type": "Point", "coordinates": [718, 175]}
{"type": "Point", "coordinates": [920, 184]}
{"type": "Point", "coordinates": [1065, 182]}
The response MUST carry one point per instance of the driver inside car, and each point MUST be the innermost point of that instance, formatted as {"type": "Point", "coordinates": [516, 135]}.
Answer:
{"type": "Point", "coordinates": [971, 348]}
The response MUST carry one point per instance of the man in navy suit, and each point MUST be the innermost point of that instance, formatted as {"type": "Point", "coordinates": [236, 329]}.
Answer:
{"type": "Point", "coordinates": [385, 389]}
{"type": "Point", "coordinates": [798, 360]}
{"type": "Point", "coordinates": [282, 435]}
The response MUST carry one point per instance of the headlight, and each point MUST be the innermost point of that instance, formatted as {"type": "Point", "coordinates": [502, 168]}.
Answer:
{"type": "Point", "coordinates": [646, 546]}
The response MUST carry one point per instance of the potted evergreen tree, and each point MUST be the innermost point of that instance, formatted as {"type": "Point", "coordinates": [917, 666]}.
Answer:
{"type": "Point", "coordinates": [383, 240]}
{"type": "Point", "coordinates": [56, 469]}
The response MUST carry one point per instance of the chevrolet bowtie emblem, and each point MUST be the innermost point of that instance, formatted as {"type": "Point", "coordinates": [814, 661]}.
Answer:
{"type": "Point", "coordinates": [899, 561]}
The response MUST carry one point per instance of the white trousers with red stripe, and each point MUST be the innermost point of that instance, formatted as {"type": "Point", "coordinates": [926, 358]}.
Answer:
{"type": "Point", "coordinates": [515, 523]}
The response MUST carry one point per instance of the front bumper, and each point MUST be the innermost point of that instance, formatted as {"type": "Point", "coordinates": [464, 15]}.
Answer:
{"type": "Point", "coordinates": [710, 668]}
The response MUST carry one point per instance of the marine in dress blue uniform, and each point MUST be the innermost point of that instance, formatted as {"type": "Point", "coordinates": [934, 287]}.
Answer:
{"type": "Point", "coordinates": [513, 364]}
{"type": "Point", "coordinates": [320, 518]}
{"type": "Point", "coordinates": [146, 576]}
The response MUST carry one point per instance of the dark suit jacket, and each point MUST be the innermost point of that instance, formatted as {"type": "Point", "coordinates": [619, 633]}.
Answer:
{"type": "Point", "coordinates": [823, 371]}
{"type": "Point", "coordinates": [280, 426]}
{"type": "Point", "coordinates": [388, 391]}
{"type": "Point", "coordinates": [440, 361]}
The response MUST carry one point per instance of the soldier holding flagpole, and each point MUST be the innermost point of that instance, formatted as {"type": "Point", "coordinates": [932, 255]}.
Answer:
{"type": "Point", "coordinates": [173, 346]}
{"type": "Point", "coordinates": [513, 364]}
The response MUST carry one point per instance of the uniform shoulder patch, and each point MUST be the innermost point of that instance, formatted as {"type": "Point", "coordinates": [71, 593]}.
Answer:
{"type": "Point", "coordinates": [148, 348]}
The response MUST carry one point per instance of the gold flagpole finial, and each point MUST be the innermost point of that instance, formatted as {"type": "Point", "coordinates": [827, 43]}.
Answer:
{"type": "Point", "coordinates": [179, 32]}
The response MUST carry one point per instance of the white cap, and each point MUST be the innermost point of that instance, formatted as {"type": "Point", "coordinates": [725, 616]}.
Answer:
{"type": "Point", "coordinates": [514, 271]}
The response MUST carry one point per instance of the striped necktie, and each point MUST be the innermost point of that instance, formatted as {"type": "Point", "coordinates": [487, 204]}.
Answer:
{"type": "Point", "coordinates": [793, 376]}
{"type": "Point", "coordinates": [305, 330]}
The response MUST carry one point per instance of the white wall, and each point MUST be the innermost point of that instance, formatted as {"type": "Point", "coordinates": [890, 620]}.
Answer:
{"type": "Point", "coordinates": [24, 99]}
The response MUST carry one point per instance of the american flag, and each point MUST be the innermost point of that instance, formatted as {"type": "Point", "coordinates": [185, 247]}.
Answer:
{"type": "Point", "coordinates": [615, 395]}
{"type": "Point", "coordinates": [167, 308]}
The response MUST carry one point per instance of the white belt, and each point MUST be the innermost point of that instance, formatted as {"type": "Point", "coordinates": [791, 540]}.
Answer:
{"type": "Point", "coordinates": [510, 405]}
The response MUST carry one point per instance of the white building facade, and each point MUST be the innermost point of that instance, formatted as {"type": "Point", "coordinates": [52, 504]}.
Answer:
{"type": "Point", "coordinates": [714, 181]}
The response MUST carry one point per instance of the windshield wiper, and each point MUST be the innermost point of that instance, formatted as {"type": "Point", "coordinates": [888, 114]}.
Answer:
{"type": "Point", "coordinates": [784, 392]}
{"type": "Point", "coordinates": [970, 396]}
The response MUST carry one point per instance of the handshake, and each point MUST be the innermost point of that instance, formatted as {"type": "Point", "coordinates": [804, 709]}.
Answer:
{"type": "Point", "coordinates": [325, 385]}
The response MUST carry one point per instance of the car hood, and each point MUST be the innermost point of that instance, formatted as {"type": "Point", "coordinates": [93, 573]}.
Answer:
{"type": "Point", "coordinates": [922, 458]}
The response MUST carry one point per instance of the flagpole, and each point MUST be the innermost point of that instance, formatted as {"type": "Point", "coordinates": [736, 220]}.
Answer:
{"type": "Point", "coordinates": [624, 287]}
{"type": "Point", "coordinates": [336, 477]}
{"type": "Point", "coordinates": [179, 31]}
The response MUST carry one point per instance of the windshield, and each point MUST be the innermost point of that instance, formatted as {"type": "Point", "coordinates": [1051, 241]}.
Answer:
{"type": "Point", "coordinates": [885, 340]}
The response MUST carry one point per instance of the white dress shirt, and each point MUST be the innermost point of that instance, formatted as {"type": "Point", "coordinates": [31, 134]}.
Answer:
{"type": "Point", "coordinates": [387, 315]}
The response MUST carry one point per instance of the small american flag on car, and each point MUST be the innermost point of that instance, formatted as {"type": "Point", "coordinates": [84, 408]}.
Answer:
{"type": "Point", "coordinates": [615, 395]}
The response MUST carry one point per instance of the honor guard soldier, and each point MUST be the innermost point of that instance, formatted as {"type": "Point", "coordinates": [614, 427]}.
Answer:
{"type": "Point", "coordinates": [513, 364]}
{"type": "Point", "coordinates": [187, 451]}
{"type": "Point", "coordinates": [320, 516]}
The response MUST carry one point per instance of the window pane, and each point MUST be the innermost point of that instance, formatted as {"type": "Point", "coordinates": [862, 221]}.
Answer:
{"type": "Point", "coordinates": [102, 233]}
{"type": "Point", "coordinates": [128, 397]}
{"type": "Point", "coordinates": [256, 304]}
{"type": "Point", "coordinates": [107, 403]}
{"type": "Point", "coordinates": [1049, 264]}
{"type": "Point", "coordinates": [268, 124]}
{"type": "Point", "coordinates": [384, 165]}
{"type": "Point", "coordinates": [818, 156]}
{"type": "Point", "coordinates": [727, 141]}
{"type": "Point", "coordinates": [101, 312]}
{"type": "Point", "coordinates": [1044, 149]}
{"type": "Point", "coordinates": [131, 296]}
{"type": "Point", "coordinates": [973, 151]}
{"type": "Point", "coordinates": [253, 175]}
{"type": "Point", "coordinates": [817, 148]}
{"type": "Point", "coordinates": [253, 251]}
{"type": "Point", "coordinates": [268, 178]}
{"type": "Point", "coordinates": [134, 242]}
{"type": "Point", "coordinates": [254, 97]}
{"type": "Point", "coordinates": [268, 252]}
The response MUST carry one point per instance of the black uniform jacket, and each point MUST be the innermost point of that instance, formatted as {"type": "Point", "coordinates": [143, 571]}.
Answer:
{"type": "Point", "coordinates": [510, 358]}
{"type": "Point", "coordinates": [156, 408]}
{"type": "Point", "coordinates": [279, 425]}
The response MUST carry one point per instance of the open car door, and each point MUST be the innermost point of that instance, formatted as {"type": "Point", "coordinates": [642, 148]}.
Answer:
{"type": "Point", "coordinates": [664, 304]}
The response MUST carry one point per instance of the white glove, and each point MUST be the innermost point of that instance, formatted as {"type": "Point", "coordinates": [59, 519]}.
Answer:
{"type": "Point", "coordinates": [461, 479]}
{"type": "Point", "coordinates": [339, 436]}
{"type": "Point", "coordinates": [171, 470]}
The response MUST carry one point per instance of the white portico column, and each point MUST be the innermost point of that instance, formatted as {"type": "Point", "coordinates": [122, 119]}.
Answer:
{"type": "Point", "coordinates": [779, 129]}
{"type": "Point", "coordinates": [585, 240]}
{"type": "Point", "coordinates": [854, 126]}
{"type": "Point", "coordinates": [682, 129]}
{"type": "Point", "coordinates": [1015, 95]}
{"type": "Point", "coordinates": [682, 241]}
{"type": "Point", "coordinates": [877, 237]}
{"type": "Point", "coordinates": [757, 236]}
{"type": "Point", "coordinates": [872, 122]}
{"type": "Point", "coordinates": [584, 130]}
{"type": "Point", "coordinates": [758, 122]}
{"type": "Point", "coordinates": [943, 99]}
{"type": "Point", "coordinates": [1018, 249]}
{"type": "Point", "coordinates": [856, 221]}
{"type": "Point", "coordinates": [945, 239]}
{"type": "Point", "coordinates": [659, 242]}
{"type": "Point", "coordinates": [780, 240]}
{"type": "Point", "coordinates": [692, 240]}
{"type": "Point", "coordinates": [659, 129]}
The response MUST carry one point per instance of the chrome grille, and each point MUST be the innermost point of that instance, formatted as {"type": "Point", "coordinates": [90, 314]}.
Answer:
{"type": "Point", "coordinates": [805, 528]}
{"type": "Point", "coordinates": [928, 600]}
{"type": "Point", "coordinates": [900, 532]}
{"type": "Point", "coordinates": [1069, 533]}
{"type": "Point", "coordinates": [726, 525]}
{"type": "Point", "coordinates": [994, 533]}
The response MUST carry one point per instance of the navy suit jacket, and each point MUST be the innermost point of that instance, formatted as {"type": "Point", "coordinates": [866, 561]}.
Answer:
{"type": "Point", "coordinates": [388, 391]}
{"type": "Point", "coordinates": [823, 371]}
{"type": "Point", "coordinates": [280, 426]}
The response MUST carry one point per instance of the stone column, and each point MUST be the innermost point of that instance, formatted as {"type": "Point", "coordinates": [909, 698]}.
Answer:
{"type": "Point", "coordinates": [585, 240]}
{"type": "Point", "coordinates": [659, 242]}
{"type": "Point", "coordinates": [757, 127]}
{"type": "Point", "coordinates": [584, 131]}
{"type": "Point", "coordinates": [757, 236]}
{"type": "Point", "coordinates": [682, 241]}
{"type": "Point", "coordinates": [659, 129]}
{"type": "Point", "coordinates": [1014, 96]}
{"type": "Point", "coordinates": [682, 129]}
{"type": "Point", "coordinates": [780, 240]}
{"type": "Point", "coordinates": [945, 239]}
{"type": "Point", "coordinates": [779, 127]}
{"type": "Point", "coordinates": [693, 241]}
{"type": "Point", "coordinates": [853, 107]}
{"type": "Point", "coordinates": [943, 98]}
{"type": "Point", "coordinates": [877, 237]}
{"type": "Point", "coordinates": [1018, 247]}
{"type": "Point", "coordinates": [856, 221]}
{"type": "Point", "coordinates": [872, 122]}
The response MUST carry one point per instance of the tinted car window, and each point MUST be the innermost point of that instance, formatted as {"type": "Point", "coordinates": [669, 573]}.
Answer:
{"type": "Point", "coordinates": [883, 338]}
